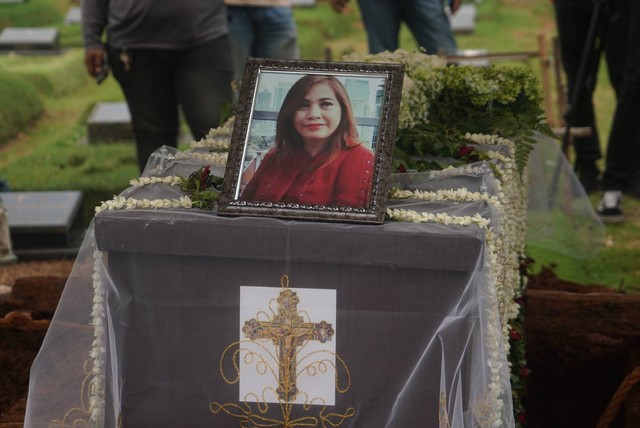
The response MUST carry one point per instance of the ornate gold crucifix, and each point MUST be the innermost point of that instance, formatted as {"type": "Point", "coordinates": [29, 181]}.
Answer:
{"type": "Point", "coordinates": [288, 331]}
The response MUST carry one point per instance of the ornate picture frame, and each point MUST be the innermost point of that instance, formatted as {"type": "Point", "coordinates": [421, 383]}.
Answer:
{"type": "Point", "coordinates": [313, 140]}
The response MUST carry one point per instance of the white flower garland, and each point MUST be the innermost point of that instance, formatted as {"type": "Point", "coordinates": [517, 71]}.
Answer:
{"type": "Point", "coordinates": [216, 143]}
{"type": "Point", "coordinates": [206, 158]}
{"type": "Point", "coordinates": [171, 180]}
{"type": "Point", "coordinates": [98, 348]}
{"type": "Point", "coordinates": [120, 202]}
{"type": "Point", "coordinates": [460, 195]}
{"type": "Point", "coordinates": [217, 138]}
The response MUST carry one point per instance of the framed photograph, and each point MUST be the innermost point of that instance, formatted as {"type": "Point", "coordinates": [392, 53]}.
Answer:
{"type": "Point", "coordinates": [313, 140]}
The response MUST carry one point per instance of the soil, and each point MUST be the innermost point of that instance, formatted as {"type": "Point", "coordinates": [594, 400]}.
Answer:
{"type": "Point", "coordinates": [29, 294]}
{"type": "Point", "coordinates": [571, 382]}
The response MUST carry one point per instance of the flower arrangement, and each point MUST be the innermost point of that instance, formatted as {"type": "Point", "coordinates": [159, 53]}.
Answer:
{"type": "Point", "coordinates": [440, 104]}
{"type": "Point", "coordinates": [202, 187]}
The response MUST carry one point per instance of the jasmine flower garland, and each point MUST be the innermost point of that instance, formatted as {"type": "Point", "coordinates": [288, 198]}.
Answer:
{"type": "Point", "coordinates": [120, 202]}
{"type": "Point", "coordinates": [171, 180]}
{"type": "Point", "coordinates": [206, 158]}
{"type": "Point", "coordinates": [98, 350]}
{"type": "Point", "coordinates": [217, 138]}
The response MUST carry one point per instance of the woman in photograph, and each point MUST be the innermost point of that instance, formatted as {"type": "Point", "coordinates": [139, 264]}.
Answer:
{"type": "Point", "coordinates": [318, 158]}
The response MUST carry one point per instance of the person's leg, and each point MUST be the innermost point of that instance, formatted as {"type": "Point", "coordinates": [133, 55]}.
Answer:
{"type": "Point", "coordinates": [148, 88]}
{"type": "Point", "coordinates": [203, 84]}
{"type": "Point", "coordinates": [623, 151]}
{"type": "Point", "coordinates": [276, 35]}
{"type": "Point", "coordinates": [573, 19]}
{"type": "Point", "coordinates": [615, 43]}
{"type": "Point", "coordinates": [382, 22]}
{"type": "Point", "coordinates": [430, 25]}
{"type": "Point", "coordinates": [241, 37]}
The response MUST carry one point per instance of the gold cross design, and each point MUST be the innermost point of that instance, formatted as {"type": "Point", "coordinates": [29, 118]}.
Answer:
{"type": "Point", "coordinates": [288, 331]}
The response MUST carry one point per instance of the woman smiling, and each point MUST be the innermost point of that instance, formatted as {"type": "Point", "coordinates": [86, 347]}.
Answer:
{"type": "Point", "coordinates": [318, 158]}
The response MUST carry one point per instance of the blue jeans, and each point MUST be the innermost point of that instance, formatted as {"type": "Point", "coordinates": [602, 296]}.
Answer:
{"type": "Point", "coordinates": [261, 32]}
{"type": "Point", "coordinates": [426, 19]}
{"type": "Point", "coordinates": [198, 79]}
{"type": "Point", "coordinates": [623, 150]}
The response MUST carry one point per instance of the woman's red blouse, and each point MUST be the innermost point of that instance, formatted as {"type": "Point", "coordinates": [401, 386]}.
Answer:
{"type": "Point", "coordinates": [345, 181]}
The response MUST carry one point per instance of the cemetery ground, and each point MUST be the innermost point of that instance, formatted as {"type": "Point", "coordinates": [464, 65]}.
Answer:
{"type": "Point", "coordinates": [49, 151]}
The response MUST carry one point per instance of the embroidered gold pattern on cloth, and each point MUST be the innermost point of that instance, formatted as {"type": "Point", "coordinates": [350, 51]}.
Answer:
{"type": "Point", "coordinates": [289, 330]}
{"type": "Point", "coordinates": [79, 416]}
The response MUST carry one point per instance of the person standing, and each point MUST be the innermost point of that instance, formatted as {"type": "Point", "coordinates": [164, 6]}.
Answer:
{"type": "Point", "coordinates": [573, 20]}
{"type": "Point", "coordinates": [621, 174]}
{"type": "Point", "coordinates": [427, 20]}
{"type": "Point", "coordinates": [261, 29]}
{"type": "Point", "coordinates": [165, 55]}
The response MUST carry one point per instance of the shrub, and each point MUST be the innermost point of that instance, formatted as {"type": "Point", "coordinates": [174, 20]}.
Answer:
{"type": "Point", "coordinates": [20, 105]}
{"type": "Point", "coordinates": [52, 76]}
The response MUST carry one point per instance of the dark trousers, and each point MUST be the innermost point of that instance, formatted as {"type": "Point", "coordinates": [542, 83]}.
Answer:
{"type": "Point", "coordinates": [573, 18]}
{"type": "Point", "coordinates": [623, 150]}
{"type": "Point", "coordinates": [198, 79]}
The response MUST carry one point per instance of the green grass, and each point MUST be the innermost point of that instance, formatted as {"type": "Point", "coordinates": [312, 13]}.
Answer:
{"type": "Point", "coordinates": [52, 154]}
{"type": "Point", "coordinates": [616, 264]}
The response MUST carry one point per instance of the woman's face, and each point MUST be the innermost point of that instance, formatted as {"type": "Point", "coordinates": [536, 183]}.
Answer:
{"type": "Point", "coordinates": [318, 114]}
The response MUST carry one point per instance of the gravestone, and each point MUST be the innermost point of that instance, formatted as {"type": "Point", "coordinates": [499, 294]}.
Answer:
{"type": "Point", "coordinates": [475, 57]}
{"type": "Point", "coordinates": [109, 122]}
{"type": "Point", "coordinates": [464, 20]}
{"type": "Point", "coordinates": [73, 16]}
{"type": "Point", "coordinates": [6, 253]}
{"type": "Point", "coordinates": [30, 40]}
{"type": "Point", "coordinates": [44, 224]}
{"type": "Point", "coordinates": [303, 3]}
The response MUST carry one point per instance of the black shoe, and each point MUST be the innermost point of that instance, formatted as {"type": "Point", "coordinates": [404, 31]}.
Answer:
{"type": "Point", "coordinates": [610, 208]}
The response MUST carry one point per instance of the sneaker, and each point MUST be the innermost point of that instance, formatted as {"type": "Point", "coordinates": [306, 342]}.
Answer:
{"type": "Point", "coordinates": [610, 208]}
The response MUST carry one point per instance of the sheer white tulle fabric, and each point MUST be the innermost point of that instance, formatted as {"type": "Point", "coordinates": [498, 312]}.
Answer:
{"type": "Point", "coordinates": [138, 334]}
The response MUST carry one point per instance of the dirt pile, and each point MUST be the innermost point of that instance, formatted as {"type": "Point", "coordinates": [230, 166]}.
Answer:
{"type": "Point", "coordinates": [582, 341]}
{"type": "Point", "coordinates": [25, 315]}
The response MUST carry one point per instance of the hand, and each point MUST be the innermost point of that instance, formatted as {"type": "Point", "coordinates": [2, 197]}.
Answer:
{"type": "Point", "coordinates": [339, 5]}
{"type": "Point", "coordinates": [94, 61]}
{"type": "Point", "coordinates": [455, 5]}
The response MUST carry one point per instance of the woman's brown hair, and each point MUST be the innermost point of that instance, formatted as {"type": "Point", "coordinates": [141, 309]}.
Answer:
{"type": "Point", "coordinates": [287, 138]}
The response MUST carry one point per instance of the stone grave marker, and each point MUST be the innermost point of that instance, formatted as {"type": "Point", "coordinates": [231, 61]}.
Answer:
{"type": "Point", "coordinates": [464, 20]}
{"type": "Point", "coordinates": [6, 252]}
{"type": "Point", "coordinates": [73, 16]}
{"type": "Point", "coordinates": [303, 3]}
{"type": "Point", "coordinates": [45, 224]}
{"type": "Point", "coordinates": [109, 122]}
{"type": "Point", "coordinates": [30, 40]}
{"type": "Point", "coordinates": [471, 53]}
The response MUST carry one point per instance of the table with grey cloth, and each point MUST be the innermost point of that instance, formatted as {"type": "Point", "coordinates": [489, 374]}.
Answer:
{"type": "Point", "coordinates": [173, 308]}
